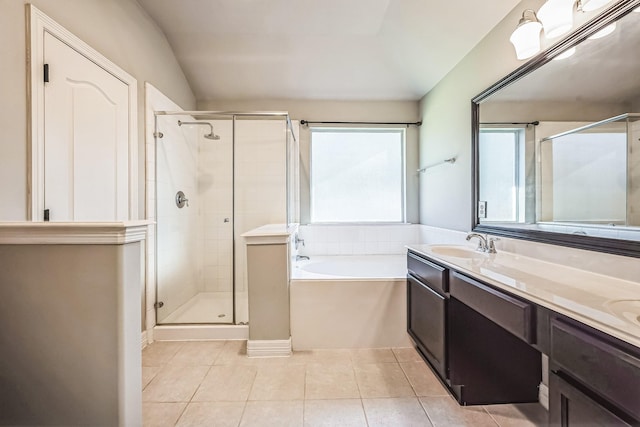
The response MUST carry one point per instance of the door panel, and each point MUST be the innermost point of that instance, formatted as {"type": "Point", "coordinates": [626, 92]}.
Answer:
{"type": "Point", "coordinates": [86, 166]}
{"type": "Point", "coordinates": [426, 322]}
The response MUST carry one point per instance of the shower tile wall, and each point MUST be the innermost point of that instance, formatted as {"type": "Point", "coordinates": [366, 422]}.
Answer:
{"type": "Point", "coordinates": [260, 197]}
{"type": "Point", "coordinates": [260, 189]}
{"type": "Point", "coordinates": [215, 187]}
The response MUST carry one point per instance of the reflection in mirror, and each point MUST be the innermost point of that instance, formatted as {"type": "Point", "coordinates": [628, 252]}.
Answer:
{"type": "Point", "coordinates": [558, 149]}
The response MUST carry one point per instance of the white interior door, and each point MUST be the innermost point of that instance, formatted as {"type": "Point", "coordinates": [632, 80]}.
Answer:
{"type": "Point", "coordinates": [86, 138]}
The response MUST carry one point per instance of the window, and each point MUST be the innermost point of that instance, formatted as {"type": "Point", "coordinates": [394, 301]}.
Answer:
{"type": "Point", "coordinates": [357, 175]}
{"type": "Point", "coordinates": [502, 174]}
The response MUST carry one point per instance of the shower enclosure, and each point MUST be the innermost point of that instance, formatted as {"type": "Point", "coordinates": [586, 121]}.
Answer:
{"type": "Point", "coordinates": [217, 175]}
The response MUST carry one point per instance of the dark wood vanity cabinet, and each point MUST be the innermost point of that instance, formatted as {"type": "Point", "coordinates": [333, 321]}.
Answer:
{"type": "Point", "coordinates": [491, 333]}
{"type": "Point", "coordinates": [427, 310]}
{"type": "Point", "coordinates": [476, 338]}
{"type": "Point", "coordinates": [486, 343]}
{"type": "Point", "coordinates": [594, 379]}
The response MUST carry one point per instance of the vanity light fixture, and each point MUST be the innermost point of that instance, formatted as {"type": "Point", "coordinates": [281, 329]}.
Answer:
{"type": "Point", "coordinates": [556, 17]}
{"type": "Point", "coordinates": [591, 5]}
{"type": "Point", "coordinates": [526, 36]}
{"type": "Point", "coordinates": [603, 32]}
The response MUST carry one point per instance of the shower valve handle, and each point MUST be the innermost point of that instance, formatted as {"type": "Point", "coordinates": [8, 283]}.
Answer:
{"type": "Point", "coordinates": [181, 200]}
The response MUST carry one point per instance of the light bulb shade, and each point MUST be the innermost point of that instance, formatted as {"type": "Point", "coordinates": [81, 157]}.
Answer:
{"type": "Point", "coordinates": [589, 5]}
{"type": "Point", "coordinates": [564, 55]}
{"type": "Point", "coordinates": [556, 17]}
{"type": "Point", "coordinates": [603, 32]}
{"type": "Point", "coordinates": [526, 37]}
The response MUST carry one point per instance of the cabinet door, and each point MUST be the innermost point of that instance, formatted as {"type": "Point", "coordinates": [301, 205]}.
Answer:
{"type": "Point", "coordinates": [568, 406]}
{"type": "Point", "coordinates": [426, 322]}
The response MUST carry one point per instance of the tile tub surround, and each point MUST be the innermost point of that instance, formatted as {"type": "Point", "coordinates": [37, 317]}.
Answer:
{"type": "Point", "coordinates": [219, 385]}
{"type": "Point", "coordinates": [338, 239]}
{"type": "Point", "coordinates": [579, 294]}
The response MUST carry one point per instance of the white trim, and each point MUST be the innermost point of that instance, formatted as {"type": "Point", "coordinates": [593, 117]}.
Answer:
{"type": "Point", "coordinates": [37, 24]}
{"type": "Point", "coordinates": [543, 395]}
{"type": "Point", "coordinates": [72, 233]}
{"type": "Point", "coordinates": [200, 332]}
{"type": "Point", "coordinates": [269, 348]}
{"type": "Point", "coordinates": [143, 340]}
{"type": "Point", "coordinates": [270, 234]}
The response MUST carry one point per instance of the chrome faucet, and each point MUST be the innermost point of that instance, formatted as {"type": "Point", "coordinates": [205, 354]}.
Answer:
{"type": "Point", "coordinates": [297, 240]}
{"type": "Point", "coordinates": [485, 244]}
{"type": "Point", "coordinates": [301, 257]}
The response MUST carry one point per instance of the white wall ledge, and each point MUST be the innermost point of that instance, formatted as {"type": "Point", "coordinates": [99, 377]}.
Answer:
{"type": "Point", "coordinates": [270, 234]}
{"type": "Point", "coordinates": [73, 233]}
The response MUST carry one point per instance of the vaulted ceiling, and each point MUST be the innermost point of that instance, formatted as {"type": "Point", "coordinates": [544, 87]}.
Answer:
{"type": "Point", "coordinates": [321, 49]}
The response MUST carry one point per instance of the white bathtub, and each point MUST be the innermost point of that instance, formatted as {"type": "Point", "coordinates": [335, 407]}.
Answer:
{"type": "Point", "coordinates": [349, 302]}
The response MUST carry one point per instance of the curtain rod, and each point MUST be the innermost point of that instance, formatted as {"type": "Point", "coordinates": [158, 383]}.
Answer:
{"type": "Point", "coordinates": [536, 123]}
{"type": "Point", "coordinates": [307, 122]}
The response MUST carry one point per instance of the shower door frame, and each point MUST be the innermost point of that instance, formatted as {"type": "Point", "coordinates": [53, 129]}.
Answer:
{"type": "Point", "coordinates": [218, 115]}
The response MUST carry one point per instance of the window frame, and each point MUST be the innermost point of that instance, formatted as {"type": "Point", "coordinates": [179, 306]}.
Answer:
{"type": "Point", "coordinates": [519, 208]}
{"type": "Point", "coordinates": [360, 129]}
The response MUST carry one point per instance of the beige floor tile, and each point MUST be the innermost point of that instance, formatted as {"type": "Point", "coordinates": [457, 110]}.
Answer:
{"type": "Point", "coordinates": [279, 383]}
{"type": "Point", "coordinates": [382, 380]}
{"type": "Point", "coordinates": [519, 415]}
{"type": "Point", "coordinates": [445, 411]}
{"type": "Point", "coordinates": [403, 411]}
{"type": "Point", "coordinates": [232, 352]}
{"type": "Point", "coordinates": [218, 414]}
{"type": "Point", "coordinates": [324, 356]}
{"type": "Point", "coordinates": [276, 414]}
{"type": "Point", "coordinates": [197, 353]}
{"type": "Point", "coordinates": [407, 354]}
{"type": "Point", "coordinates": [423, 380]}
{"type": "Point", "coordinates": [149, 373]}
{"type": "Point", "coordinates": [161, 414]}
{"type": "Point", "coordinates": [372, 355]}
{"type": "Point", "coordinates": [174, 384]}
{"type": "Point", "coordinates": [226, 383]}
{"type": "Point", "coordinates": [330, 381]}
{"type": "Point", "coordinates": [339, 413]}
{"type": "Point", "coordinates": [160, 352]}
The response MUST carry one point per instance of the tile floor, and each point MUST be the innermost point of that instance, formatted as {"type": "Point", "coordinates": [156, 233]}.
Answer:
{"type": "Point", "coordinates": [214, 384]}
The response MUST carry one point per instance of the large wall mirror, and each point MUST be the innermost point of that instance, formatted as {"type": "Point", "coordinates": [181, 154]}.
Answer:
{"type": "Point", "coordinates": [557, 142]}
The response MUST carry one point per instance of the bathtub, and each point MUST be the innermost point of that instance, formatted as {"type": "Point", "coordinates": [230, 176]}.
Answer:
{"type": "Point", "coordinates": [349, 302]}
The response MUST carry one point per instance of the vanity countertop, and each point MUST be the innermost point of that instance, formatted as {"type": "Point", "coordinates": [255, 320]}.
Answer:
{"type": "Point", "coordinates": [609, 304]}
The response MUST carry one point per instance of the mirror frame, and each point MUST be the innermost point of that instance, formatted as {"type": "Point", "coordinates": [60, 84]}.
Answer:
{"type": "Point", "coordinates": [591, 243]}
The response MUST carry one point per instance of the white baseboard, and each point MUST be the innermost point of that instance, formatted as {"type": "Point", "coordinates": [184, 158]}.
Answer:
{"type": "Point", "coordinates": [200, 332]}
{"type": "Point", "coordinates": [543, 395]}
{"type": "Point", "coordinates": [269, 348]}
{"type": "Point", "coordinates": [144, 340]}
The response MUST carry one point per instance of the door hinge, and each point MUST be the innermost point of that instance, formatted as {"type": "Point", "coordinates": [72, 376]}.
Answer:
{"type": "Point", "coordinates": [46, 215]}
{"type": "Point", "coordinates": [46, 73]}
{"type": "Point", "coordinates": [159, 304]}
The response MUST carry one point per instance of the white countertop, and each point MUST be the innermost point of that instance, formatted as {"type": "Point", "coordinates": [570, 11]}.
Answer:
{"type": "Point", "coordinates": [609, 304]}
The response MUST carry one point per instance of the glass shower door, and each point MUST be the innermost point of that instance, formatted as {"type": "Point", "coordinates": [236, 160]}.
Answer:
{"type": "Point", "coordinates": [194, 199]}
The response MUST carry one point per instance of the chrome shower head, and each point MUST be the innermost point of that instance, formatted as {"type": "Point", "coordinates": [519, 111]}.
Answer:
{"type": "Point", "coordinates": [209, 135]}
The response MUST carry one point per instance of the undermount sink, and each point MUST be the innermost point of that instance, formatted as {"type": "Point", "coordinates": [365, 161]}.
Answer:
{"type": "Point", "coordinates": [457, 251]}
{"type": "Point", "coordinates": [627, 309]}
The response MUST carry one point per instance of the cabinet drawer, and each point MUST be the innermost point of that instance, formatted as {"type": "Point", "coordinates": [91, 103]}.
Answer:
{"type": "Point", "coordinates": [512, 314]}
{"type": "Point", "coordinates": [569, 407]}
{"type": "Point", "coordinates": [428, 272]}
{"type": "Point", "coordinates": [607, 370]}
